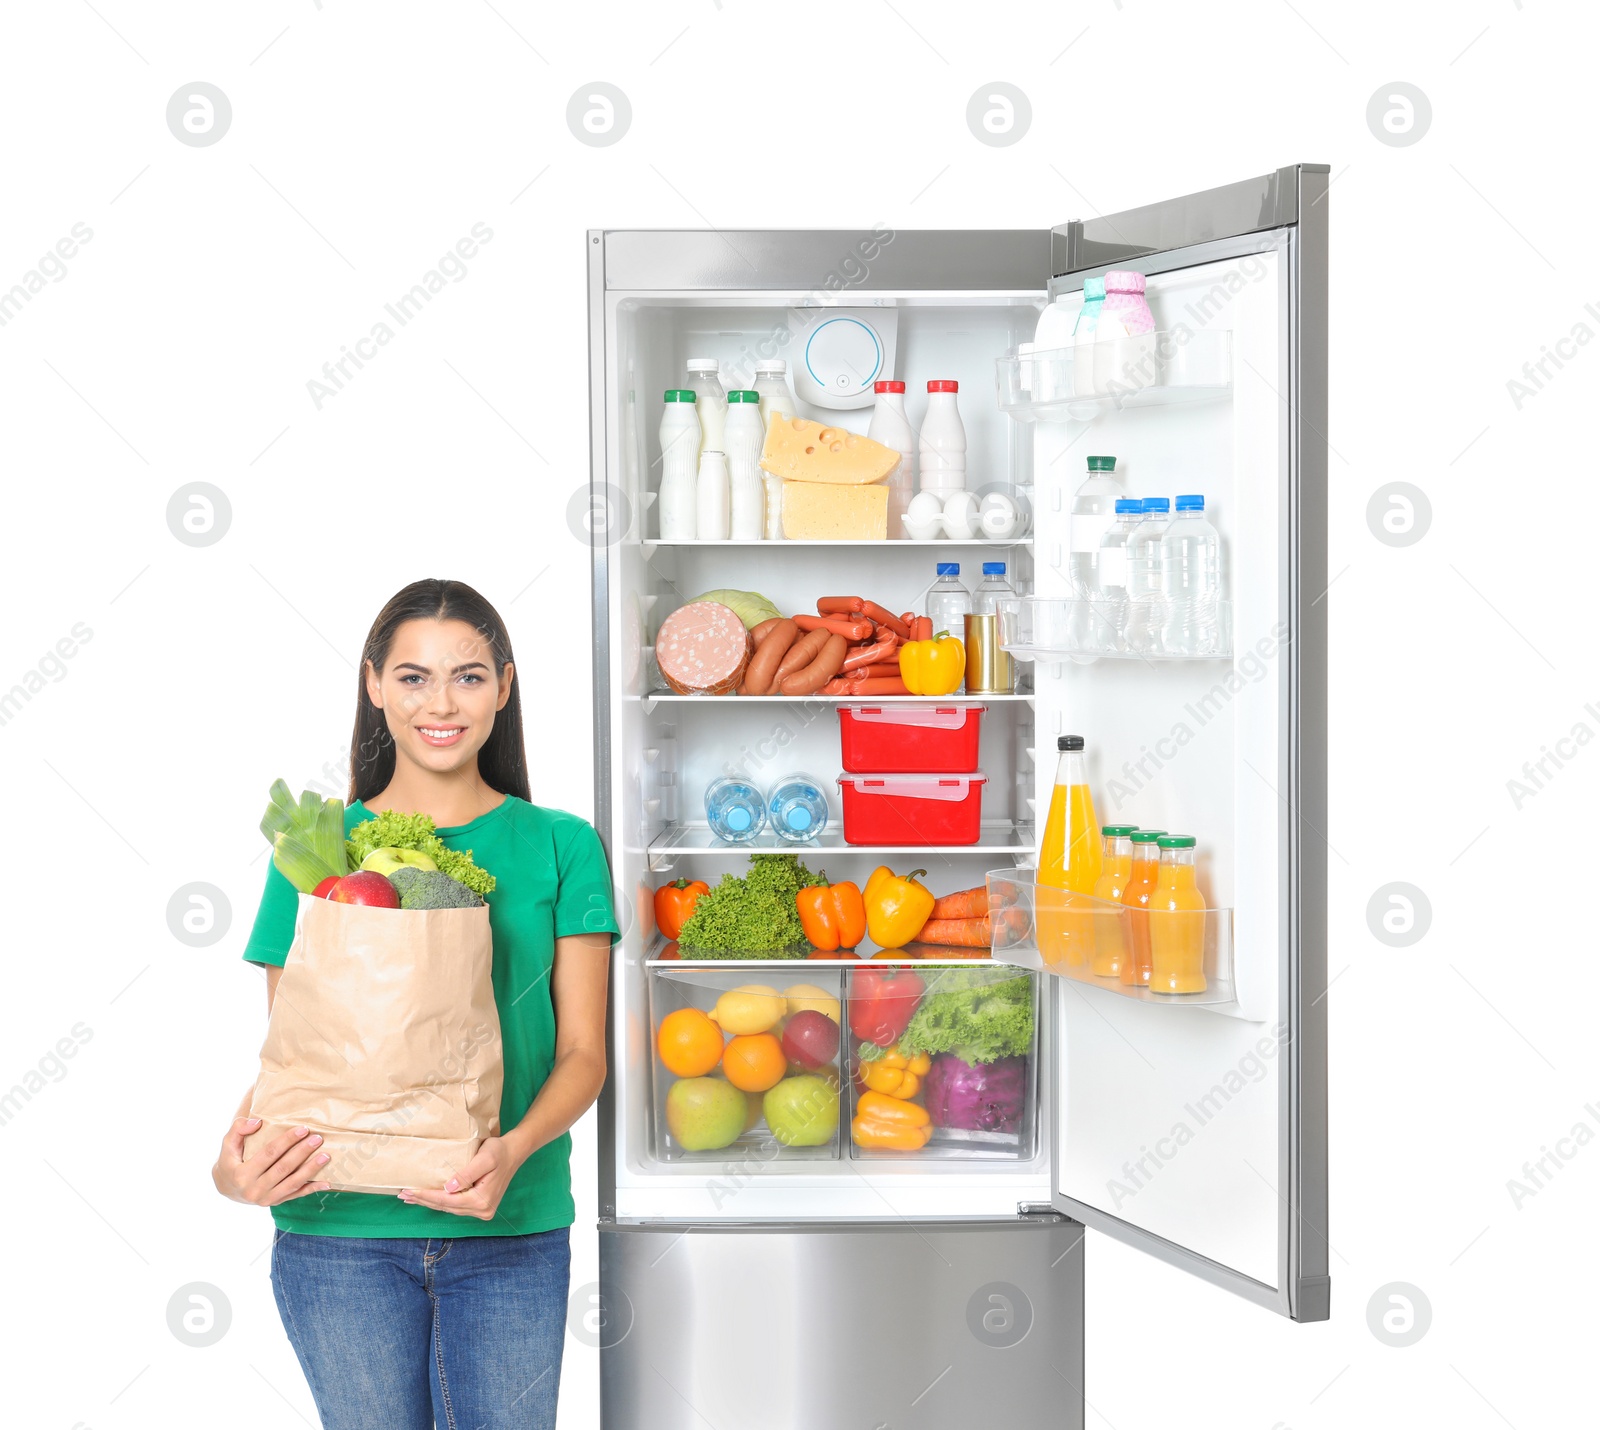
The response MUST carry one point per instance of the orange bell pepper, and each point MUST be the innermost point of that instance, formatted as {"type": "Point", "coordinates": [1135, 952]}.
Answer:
{"type": "Point", "coordinates": [882, 1121]}
{"type": "Point", "coordinates": [674, 903]}
{"type": "Point", "coordinates": [832, 915]}
{"type": "Point", "coordinates": [896, 1074]}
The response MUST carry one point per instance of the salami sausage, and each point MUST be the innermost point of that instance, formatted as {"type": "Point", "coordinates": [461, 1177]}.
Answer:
{"type": "Point", "coordinates": [702, 649]}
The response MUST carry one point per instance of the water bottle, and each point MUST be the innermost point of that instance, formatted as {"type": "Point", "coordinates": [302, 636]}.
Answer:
{"type": "Point", "coordinates": [1191, 575]}
{"type": "Point", "coordinates": [797, 808]}
{"type": "Point", "coordinates": [1109, 607]}
{"type": "Point", "coordinates": [1142, 631]}
{"type": "Point", "coordinates": [993, 589]}
{"type": "Point", "coordinates": [734, 809]}
{"type": "Point", "coordinates": [948, 600]}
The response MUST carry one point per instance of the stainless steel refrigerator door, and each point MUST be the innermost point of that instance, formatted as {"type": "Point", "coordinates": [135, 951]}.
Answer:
{"type": "Point", "coordinates": [1191, 1060]}
{"type": "Point", "coordinates": [919, 1325]}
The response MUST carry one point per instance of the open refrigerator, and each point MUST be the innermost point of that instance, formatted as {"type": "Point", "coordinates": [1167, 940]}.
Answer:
{"type": "Point", "coordinates": [737, 1285]}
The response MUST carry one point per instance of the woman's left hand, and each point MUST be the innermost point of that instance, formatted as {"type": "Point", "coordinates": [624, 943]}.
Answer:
{"type": "Point", "coordinates": [476, 1189]}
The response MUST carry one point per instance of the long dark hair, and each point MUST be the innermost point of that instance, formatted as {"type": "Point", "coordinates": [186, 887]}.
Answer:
{"type": "Point", "coordinates": [502, 761]}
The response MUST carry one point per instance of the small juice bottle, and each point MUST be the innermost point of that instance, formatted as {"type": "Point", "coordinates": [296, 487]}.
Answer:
{"type": "Point", "coordinates": [1116, 863]}
{"type": "Point", "coordinates": [1136, 899]}
{"type": "Point", "coordinates": [1069, 859]}
{"type": "Point", "coordinates": [1177, 921]}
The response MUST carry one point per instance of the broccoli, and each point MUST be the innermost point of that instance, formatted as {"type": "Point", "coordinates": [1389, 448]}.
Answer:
{"type": "Point", "coordinates": [429, 889]}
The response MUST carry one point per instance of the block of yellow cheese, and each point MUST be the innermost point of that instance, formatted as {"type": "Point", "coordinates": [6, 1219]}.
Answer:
{"type": "Point", "coordinates": [799, 450]}
{"type": "Point", "coordinates": [818, 511]}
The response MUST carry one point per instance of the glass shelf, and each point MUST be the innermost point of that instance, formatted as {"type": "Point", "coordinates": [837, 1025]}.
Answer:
{"type": "Point", "coordinates": [1069, 935]}
{"type": "Point", "coordinates": [669, 697]}
{"type": "Point", "coordinates": [650, 545]}
{"type": "Point", "coordinates": [997, 836]}
{"type": "Point", "coordinates": [1071, 628]}
{"type": "Point", "coordinates": [1079, 384]}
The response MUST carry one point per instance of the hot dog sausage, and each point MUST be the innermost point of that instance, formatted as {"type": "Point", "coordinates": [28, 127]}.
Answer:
{"type": "Point", "coordinates": [839, 605]}
{"type": "Point", "coordinates": [813, 677]}
{"type": "Point", "coordinates": [761, 675]}
{"type": "Point", "coordinates": [802, 653]}
{"type": "Point", "coordinates": [873, 611]}
{"type": "Point", "coordinates": [852, 628]}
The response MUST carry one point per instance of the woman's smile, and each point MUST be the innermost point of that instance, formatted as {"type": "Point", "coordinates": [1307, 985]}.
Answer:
{"type": "Point", "coordinates": [439, 736]}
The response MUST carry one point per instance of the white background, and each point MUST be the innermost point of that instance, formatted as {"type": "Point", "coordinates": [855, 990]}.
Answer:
{"type": "Point", "coordinates": [365, 141]}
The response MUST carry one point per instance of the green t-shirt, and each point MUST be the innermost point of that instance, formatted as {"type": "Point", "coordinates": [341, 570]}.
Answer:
{"type": "Point", "coordinates": [551, 880]}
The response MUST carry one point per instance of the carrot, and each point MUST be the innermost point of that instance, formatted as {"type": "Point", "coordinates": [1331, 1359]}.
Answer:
{"type": "Point", "coordinates": [968, 904]}
{"type": "Point", "coordinates": [839, 605]}
{"type": "Point", "coordinates": [963, 933]}
{"type": "Point", "coordinates": [852, 628]}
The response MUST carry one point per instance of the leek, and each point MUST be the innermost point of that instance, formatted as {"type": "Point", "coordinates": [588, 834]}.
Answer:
{"type": "Point", "coordinates": [307, 836]}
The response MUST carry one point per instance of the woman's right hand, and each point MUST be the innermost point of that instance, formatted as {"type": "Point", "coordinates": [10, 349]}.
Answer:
{"type": "Point", "coordinates": [279, 1172]}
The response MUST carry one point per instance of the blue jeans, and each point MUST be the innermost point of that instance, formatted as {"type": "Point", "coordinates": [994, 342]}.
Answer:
{"type": "Point", "coordinates": [412, 1333]}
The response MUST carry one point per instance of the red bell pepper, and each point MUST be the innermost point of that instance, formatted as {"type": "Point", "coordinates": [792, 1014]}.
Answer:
{"type": "Point", "coordinates": [882, 1001]}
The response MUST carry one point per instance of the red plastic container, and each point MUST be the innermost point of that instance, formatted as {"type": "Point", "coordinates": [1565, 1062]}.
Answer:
{"type": "Point", "coordinates": [912, 809]}
{"type": "Point", "coordinates": [909, 739]}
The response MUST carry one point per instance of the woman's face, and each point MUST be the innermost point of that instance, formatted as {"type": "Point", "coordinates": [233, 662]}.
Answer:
{"type": "Point", "coordinates": [439, 692]}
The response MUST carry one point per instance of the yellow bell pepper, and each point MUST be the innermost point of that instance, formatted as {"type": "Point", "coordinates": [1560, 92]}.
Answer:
{"type": "Point", "coordinates": [897, 907]}
{"type": "Point", "coordinates": [933, 667]}
{"type": "Point", "coordinates": [890, 1122]}
{"type": "Point", "coordinates": [895, 1074]}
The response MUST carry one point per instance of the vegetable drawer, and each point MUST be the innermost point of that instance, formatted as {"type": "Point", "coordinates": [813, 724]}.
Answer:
{"type": "Point", "coordinates": [912, 809]}
{"type": "Point", "coordinates": [909, 739]}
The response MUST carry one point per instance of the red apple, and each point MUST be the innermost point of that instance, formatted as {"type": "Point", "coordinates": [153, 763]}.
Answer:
{"type": "Point", "coordinates": [324, 890]}
{"type": "Point", "coordinates": [365, 887]}
{"type": "Point", "coordinates": [811, 1039]}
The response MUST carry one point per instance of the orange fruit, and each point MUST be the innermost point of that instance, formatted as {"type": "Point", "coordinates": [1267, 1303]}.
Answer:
{"type": "Point", "coordinates": [753, 1062]}
{"type": "Point", "coordinates": [690, 1044]}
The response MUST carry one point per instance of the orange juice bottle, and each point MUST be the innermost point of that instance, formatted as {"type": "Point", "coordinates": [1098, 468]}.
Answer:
{"type": "Point", "coordinates": [1069, 859]}
{"type": "Point", "coordinates": [1116, 863]}
{"type": "Point", "coordinates": [1136, 899]}
{"type": "Point", "coordinates": [1177, 921]}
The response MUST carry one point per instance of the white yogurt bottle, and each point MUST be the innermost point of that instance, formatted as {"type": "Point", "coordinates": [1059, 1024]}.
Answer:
{"type": "Point", "coordinates": [892, 427]}
{"type": "Point", "coordinates": [772, 384]}
{"type": "Point", "coordinates": [710, 401]}
{"type": "Point", "coordinates": [680, 462]}
{"type": "Point", "coordinates": [943, 441]}
{"type": "Point", "coordinates": [745, 437]}
{"type": "Point", "coordinates": [711, 497]}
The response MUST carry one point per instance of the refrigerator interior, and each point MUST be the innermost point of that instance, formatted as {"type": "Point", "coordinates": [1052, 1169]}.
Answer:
{"type": "Point", "coordinates": [1126, 1074]}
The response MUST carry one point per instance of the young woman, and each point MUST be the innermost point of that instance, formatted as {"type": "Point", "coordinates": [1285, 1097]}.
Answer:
{"type": "Point", "coordinates": [446, 1306]}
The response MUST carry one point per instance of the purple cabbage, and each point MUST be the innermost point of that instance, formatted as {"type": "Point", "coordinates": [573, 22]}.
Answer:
{"type": "Point", "coordinates": [988, 1097]}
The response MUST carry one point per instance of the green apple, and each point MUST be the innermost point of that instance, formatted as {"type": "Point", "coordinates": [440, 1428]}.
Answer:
{"type": "Point", "coordinates": [803, 1111]}
{"type": "Point", "coordinates": [386, 860]}
{"type": "Point", "coordinates": [705, 1113]}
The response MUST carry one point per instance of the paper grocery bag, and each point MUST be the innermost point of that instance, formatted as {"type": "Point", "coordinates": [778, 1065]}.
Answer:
{"type": "Point", "coordinates": [384, 1037]}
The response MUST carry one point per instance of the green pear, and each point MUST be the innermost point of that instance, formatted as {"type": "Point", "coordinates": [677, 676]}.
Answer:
{"type": "Point", "coordinates": [705, 1113]}
{"type": "Point", "coordinates": [803, 1111]}
{"type": "Point", "coordinates": [386, 860]}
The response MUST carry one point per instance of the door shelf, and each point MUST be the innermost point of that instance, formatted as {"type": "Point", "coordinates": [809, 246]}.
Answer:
{"type": "Point", "coordinates": [1068, 935]}
{"type": "Point", "coordinates": [1079, 384]}
{"type": "Point", "coordinates": [1049, 628]}
{"type": "Point", "coordinates": [997, 836]}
